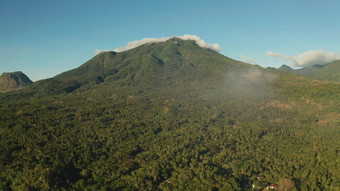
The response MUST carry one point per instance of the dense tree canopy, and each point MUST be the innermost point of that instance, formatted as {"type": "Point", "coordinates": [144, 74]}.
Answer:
{"type": "Point", "coordinates": [227, 131]}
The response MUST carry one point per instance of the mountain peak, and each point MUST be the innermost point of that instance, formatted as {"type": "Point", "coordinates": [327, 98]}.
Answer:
{"type": "Point", "coordinates": [285, 68]}
{"type": "Point", "coordinates": [198, 40]}
{"type": "Point", "coordinates": [174, 56]}
{"type": "Point", "coordinates": [10, 81]}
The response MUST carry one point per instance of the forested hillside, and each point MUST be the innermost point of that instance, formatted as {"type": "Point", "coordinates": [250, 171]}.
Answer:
{"type": "Point", "coordinates": [171, 116]}
{"type": "Point", "coordinates": [329, 71]}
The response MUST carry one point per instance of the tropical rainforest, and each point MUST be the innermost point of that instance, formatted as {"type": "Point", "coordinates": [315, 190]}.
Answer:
{"type": "Point", "coordinates": [171, 116]}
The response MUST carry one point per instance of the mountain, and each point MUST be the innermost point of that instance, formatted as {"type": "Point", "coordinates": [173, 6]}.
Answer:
{"type": "Point", "coordinates": [170, 116]}
{"type": "Point", "coordinates": [13, 81]}
{"type": "Point", "coordinates": [175, 57]}
{"type": "Point", "coordinates": [285, 68]}
{"type": "Point", "coordinates": [159, 64]}
{"type": "Point", "coordinates": [329, 71]}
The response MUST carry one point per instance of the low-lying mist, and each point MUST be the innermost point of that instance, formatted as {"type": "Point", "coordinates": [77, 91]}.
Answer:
{"type": "Point", "coordinates": [252, 83]}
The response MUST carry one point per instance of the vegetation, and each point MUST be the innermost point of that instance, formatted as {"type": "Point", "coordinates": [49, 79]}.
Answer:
{"type": "Point", "coordinates": [13, 81]}
{"type": "Point", "coordinates": [329, 71]}
{"type": "Point", "coordinates": [171, 120]}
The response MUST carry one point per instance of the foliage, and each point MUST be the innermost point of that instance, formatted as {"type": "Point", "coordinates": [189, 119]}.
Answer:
{"type": "Point", "coordinates": [215, 128]}
{"type": "Point", "coordinates": [329, 71]}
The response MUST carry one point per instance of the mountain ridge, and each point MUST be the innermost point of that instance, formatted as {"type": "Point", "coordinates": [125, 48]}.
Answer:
{"type": "Point", "coordinates": [172, 61]}
{"type": "Point", "coordinates": [330, 72]}
{"type": "Point", "coordinates": [156, 54]}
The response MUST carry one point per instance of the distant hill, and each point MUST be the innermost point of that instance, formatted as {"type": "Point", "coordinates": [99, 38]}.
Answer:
{"type": "Point", "coordinates": [285, 68]}
{"type": "Point", "coordinates": [330, 72]}
{"type": "Point", "coordinates": [13, 81]}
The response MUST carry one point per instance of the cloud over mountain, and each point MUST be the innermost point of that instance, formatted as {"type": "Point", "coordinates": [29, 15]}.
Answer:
{"type": "Point", "coordinates": [216, 47]}
{"type": "Point", "coordinates": [133, 44]}
{"type": "Point", "coordinates": [309, 58]}
{"type": "Point", "coordinates": [136, 43]}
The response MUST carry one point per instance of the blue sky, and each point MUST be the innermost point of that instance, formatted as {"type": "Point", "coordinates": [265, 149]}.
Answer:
{"type": "Point", "coordinates": [45, 38]}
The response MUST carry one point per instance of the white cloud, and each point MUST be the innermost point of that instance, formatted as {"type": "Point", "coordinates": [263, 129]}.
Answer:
{"type": "Point", "coordinates": [314, 57]}
{"type": "Point", "coordinates": [97, 51]}
{"type": "Point", "coordinates": [309, 58]}
{"type": "Point", "coordinates": [216, 47]}
{"type": "Point", "coordinates": [246, 59]}
{"type": "Point", "coordinates": [134, 44]}
{"type": "Point", "coordinates": [274, 54]}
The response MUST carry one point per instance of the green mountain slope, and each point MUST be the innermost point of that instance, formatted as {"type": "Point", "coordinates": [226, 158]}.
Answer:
{"type": "Point", "coordinates": [170, 116]}
{"type": "Point", "coordinates": [13, 81]}
{"type": "Point", "coordinates": [286, 69]}
{"type": "Point", "coordinates": [172, 61]}
{"type": "Point", "coordinates": [329, 71]}
{"type": "Point", "coordinates": [173, 57]}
